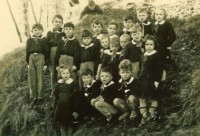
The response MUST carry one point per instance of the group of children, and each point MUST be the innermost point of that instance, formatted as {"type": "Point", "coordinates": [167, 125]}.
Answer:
{"type": "Point", "coordinates": [116, 70]}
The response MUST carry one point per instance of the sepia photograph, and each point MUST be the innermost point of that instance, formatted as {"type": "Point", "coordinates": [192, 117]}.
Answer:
{"type": "Point", "coordinates": [100, 68]}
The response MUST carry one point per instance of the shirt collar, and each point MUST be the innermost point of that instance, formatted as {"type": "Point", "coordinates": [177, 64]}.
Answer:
{"type": "Point", "coordinates": [86, 47]}
{"type": "Point", "coordinates": [69, 81]}
{"type": "Point", "coordinates": [149, 54]}
{"type": "Point", "coordinates": [64, 38]}
{"type": "Point", "coordinates": [59, 30]}
{"type": "Point", "coordinates": [160, 23]}
{"type": "Point", "coordinates": [145, 23]}
{"type": "Point", "coordinates": [38, 37]}
{"type": "Point", "coordinates": [109, 84]}
{"type": "Point", "coordinates": [133, 42]}
{"type": "Point", "coordinates": [126, 30]}
{"type": "Point", "coordinates": [88, 86]}
{"type": "Point", "coordinates": [109, 52]}
{"type": "Point", "coordinates": [128, 82]}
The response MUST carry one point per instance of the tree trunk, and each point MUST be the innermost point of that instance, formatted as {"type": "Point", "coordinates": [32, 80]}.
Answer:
{"type": "Point", "coordinates": [33, 11]}
{"type": "Point", "coordinates": [17, 29]}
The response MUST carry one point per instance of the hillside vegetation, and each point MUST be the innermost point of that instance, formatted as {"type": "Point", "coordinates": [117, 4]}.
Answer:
{"type": "Point", "coordinates": [181, 93]}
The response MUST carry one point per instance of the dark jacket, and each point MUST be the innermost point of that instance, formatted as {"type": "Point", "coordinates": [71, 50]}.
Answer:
{"type": "Point", "coordinates": [37, 45]}
{"type": "Point", "coordinates": [127, 88]}
{"type": "Point", "coordinates": [66, 101]}
{"type": "Point", "coordinates": [87, 10]}
{"type": "Point", "coordinates": [109, 92]}
{"type": "Point", "coordinates": [70, 47]}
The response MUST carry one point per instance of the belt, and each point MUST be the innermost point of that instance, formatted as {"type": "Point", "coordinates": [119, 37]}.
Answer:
{"type": "Point", "coordinates": [36, 53]}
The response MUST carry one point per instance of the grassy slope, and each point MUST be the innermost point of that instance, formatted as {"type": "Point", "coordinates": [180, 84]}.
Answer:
{"type": "Point", "coordinates": [181, 104]}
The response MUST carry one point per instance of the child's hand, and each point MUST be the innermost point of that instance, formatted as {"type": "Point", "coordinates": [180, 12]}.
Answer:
{"type": "Point", "coordinates": [75, 115]}
{"type": "Point", "coordinates": [74, 68]}
{"type": "Point", "coordinates": [57, 68]}
{"type": "Point", "coordinates": [28, 66]}
{"type": "Point", "coordinates": [156, 84]}
{"type": "Point", "coordinates": [169, 48]}
{"type": "Point", "coordinates": [45, 68]}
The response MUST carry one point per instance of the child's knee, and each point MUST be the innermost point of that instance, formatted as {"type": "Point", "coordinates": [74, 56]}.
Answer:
{"type": "Point", "coordinates": [116, 101]}
{"type": "Point", "coordinates": [98, 104]}
{"type": "Point", "coordinates": [92, 102]}
{"type": "Point", "coordinates": [131, 98]}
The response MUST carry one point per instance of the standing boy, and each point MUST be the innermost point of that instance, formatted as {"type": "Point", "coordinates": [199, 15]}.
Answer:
{"type": "Point", "coordinates": [68, 49]}
{"type": "Point", "coordinates": [37, 60]}
{"type": "Point", "coordinates": [53, 38]}
{"type": "Point", "coordinates": [134, 49]}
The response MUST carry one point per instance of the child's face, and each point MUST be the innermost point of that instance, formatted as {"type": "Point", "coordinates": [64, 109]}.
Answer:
{"type": "Point", "coordinates": [105, 43]}
{"type": "Point", "coordinates": [137, 37]}
{"type": "Point", "coordinates": [112, 29]}
{"type": "Point", "coordinates": [159, 15]}
{"type": "Point", "coordinates": [87, 79]}
{"type": "Point", "coordinates": [37, 31]}
{"type": "Point", "coordinates": [125, 74]}
{"type": "Point", "coordinates": [57, 23]}
{"type": "Point", "coordinates": [113, 47]}
{"type": "Point", "coordinates": [69, 31]}
{"type": "Point", "coordinates": [149, 45]}
{"type": "Point", "coordinates": [142, 17]}
{"type": "Point", "coordinates": [105, 77]}
{"type": "Point", "coordinates": [65, 74]}
{"type": "Point", "coordinates": [123, 42]}
{"type": "Point", "coordinates": [128, 24]}
{"type": "Point", "coordinates": [97, 28]}
{"type": "Point", "coordinates": [87, 40]}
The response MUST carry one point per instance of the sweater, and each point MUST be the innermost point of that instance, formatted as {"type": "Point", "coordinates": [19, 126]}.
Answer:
{"type": "Point", "coordinates": [70, 47]}
{"type": "Point", "coordinates": [37, 45]}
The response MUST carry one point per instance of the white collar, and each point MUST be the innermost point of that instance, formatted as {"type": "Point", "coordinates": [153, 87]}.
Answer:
{"type": "Point", "coordinates": [149, 54]}
{"type": "Point", "coordinates": [107, 51]}
{"type": "Point", "coordinates": [113, 36]}
{"type": "Point", "coordinates": [160, 23]}
{"type": "Point", "coordinates": [86, 47]}
{"type": "Point", "coordinates": [69, 81]}
{"type": "Point", "coordinates": [130, 80]}
{"type": "Point", "coordinates": [68, 39]}
{"type": "Point", "coordinates": [38, 37]}
{"type": "Point", "coordinates": [126, 30]}
{"type": "Point", "coordinates": [111, 82]}
{"type": "Point", "coordinates": [148, 23]}
{"type": "Point", "coordinates": [139, 44]}
{"type": "Point", "coordinates": [133, 42]}
{"type": "Point", "coordinates": [88, 86]}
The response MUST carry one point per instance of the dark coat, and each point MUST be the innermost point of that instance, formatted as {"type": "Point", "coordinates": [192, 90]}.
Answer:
{"type": "Point", "coordinates": [150, 71]}
{"type": "Point", "coordinates": [65, 101]}
{"type": "Point", "coordinates": [127, 88]}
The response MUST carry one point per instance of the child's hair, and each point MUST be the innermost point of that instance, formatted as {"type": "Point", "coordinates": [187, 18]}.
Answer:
{"type": "Point", "coordinates": [91, 3]}
{"type": "Point", "coordinates": [129, 17]}
{"type": "Point", "coordinates": [69, 24]}
{"type": "Point", "coordinates": [113, 23]}
{"type": "Point", "coordinates": [58, 16]}
{"type": "Point", "coordinates": [97, 22]}
{"type": "Point", "coordinates": [104, 36]}
{"type": "Point", "coordinates": [62, 68]}
{"type": "Point", "coordinates": [136, 28]}
{"type": "Point", "coordinates": [160, 8]}
{"type": "Point", "coordinates": [86, 33]}
{"type": "Point", "coordinates": [115, 41]}
{"type": "Point", "coordinates": [151, 37]}
{"type": "Point", "coordinates": [87, 72]}
{"type": "Point", "coordinates": [107, 70]}
{"type": "Point", "coordinates": [126, 36]}
{"type": "Point", "coordinates": [125, 65]}
{"type": "Point", "coordinates": [143, 9]}
{"type": "Point", "coordinates": [38, 26]}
